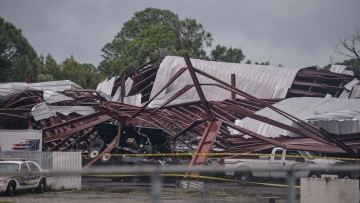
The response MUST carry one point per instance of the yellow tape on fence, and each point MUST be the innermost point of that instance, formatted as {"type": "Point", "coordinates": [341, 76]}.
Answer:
{"type": "Point", "coordinates": [197, 177]}
{"type": "Point", "coordinates": [225, 155]}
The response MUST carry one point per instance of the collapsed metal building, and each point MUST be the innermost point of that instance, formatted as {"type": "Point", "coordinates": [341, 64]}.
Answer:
{"type": "Point", "coordinates": [218, 106]}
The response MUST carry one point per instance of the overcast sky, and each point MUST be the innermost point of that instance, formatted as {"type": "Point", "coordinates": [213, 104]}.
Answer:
{"type": "Point", "coordinates": [296, 33]}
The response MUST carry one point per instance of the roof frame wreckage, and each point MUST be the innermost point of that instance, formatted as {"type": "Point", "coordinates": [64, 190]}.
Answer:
{"type": "Point", "coordinates": [208, 123]}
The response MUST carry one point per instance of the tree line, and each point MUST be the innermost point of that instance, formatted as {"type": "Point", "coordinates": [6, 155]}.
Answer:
{"type": "Point", "coordinates": [138, 41]}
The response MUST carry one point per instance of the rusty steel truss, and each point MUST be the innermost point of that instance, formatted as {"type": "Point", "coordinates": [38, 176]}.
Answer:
{"type": "Point", "coordinates": [206, 123]}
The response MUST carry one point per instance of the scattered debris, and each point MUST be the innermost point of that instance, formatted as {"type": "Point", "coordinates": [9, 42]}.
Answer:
{"type": "Point", "coordinates": [215, 106]}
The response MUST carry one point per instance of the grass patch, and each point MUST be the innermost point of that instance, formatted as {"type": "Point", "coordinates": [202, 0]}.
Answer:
{"type": "Point", "coordinates": [235, 194]}
{"type": "Point", "coordinates": [136, 192]}
{"type": "Point", "coordinates": [219, 193]}
{"type": "Point", "coordinates": [188, 192]}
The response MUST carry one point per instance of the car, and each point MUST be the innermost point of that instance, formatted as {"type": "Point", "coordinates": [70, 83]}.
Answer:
{"type": "Point", "coordinates": [17, 174]}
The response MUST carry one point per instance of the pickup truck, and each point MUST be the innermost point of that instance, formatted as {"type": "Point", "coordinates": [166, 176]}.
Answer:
{"type": "Point", "coordinates": [279, 159]}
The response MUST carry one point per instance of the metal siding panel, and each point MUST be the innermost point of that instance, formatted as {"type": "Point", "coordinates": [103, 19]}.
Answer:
{"type": "Point", "coordinates": [301, 107]}
{"type": "Point", "coordinates": [257, 80]}
{"type": "Point", "coordinates": [43, 111]}
{"type": "Point", "coordinates": [67, 161]}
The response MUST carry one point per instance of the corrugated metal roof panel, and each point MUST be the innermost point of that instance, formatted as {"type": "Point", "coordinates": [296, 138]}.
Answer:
{"type": "Point", "coordinates": [338, 126]}
{"type": "Point", "coordinates": [43, 111]}
{"type": "Point", "coordinates": [337, 68]}
{"type": "Point", "coordinates": [257, 80]}
{"type": "Point", "coordinates": [351, 84]}
{"type": "Point", "coordinates": [348, 72]}
{"type": "Point", "coordinates": [345, 94]}
{"type": "Point", "coordinates": [128, 85]}
{"type": "Point", "coordinates": [134, 100]}
{"type": "Point", "coordinates": [57, 86]}
{"type": "Point", "coordinates": [106, 86]}
{"type": "Point", "coordinates": [355, 93]}
{"type": "Point", "coordinates": [336, 115]}
{"type": "Point", "coordinates": [302, 107]}
{"type": "Point", "coordinates": [9, 90]}
{"type": "Point", "coordinates": [52, 97]}
{"type": "Point", "coordinates": [340, 69]}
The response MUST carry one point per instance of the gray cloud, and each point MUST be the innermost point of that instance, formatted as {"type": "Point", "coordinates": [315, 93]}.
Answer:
{"type": "Point", "coordinates": [293, 33]}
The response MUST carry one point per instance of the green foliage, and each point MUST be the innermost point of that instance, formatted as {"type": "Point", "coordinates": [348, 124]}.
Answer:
{"type": "Point", "coordinates": [145, 46]}
{"type": "Point", "coordinates": [17, 57]}
{"type": "Point", "coordinates": [146, 32]}
{"type": "Point", "coordinates": [263, 63]}
{"type": "Point", "coordinates": [224, 54]}
{"type": "Point", "coordinates": [351, 64]}
{"type": "Point", "coordinates": [48, 69]}
{"type": "Point", "coordinates": [327, 67]}
{"type": "Point", "coordinates": [85, 75]}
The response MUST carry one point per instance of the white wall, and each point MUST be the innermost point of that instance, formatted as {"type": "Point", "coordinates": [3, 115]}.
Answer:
{"type": "Point", "coordinates": [10, 137]}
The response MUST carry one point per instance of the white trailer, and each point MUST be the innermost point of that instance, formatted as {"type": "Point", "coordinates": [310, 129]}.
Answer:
{"type": "Point", "coordinates": [20, 140]}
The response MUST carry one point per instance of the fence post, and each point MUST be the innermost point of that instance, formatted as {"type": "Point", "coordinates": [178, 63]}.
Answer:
{"type": "Point", "coordinates": [156, 186]}
{"type": "Point", "coordinates": [290, 179]}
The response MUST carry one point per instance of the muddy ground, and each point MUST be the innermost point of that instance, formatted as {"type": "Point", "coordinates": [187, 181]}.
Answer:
{"type": "Point", "coordinates": [102, 190]}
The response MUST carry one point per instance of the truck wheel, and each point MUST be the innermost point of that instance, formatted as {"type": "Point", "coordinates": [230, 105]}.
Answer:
{"type": "Point", "coordinates": [99, 143]}
{"type": "Point", "coordinates": [314, 175]}
{"type": "Point", "coordinates": [93, 153]}
{"type": "Point", "coordinates": [146, 149]}
{"type": "Point", "coordinates": [244, 177]}
{"type": "Point", "coordinates": [105, 158]}
{"type": "Point", "coordinates": [10, 190]}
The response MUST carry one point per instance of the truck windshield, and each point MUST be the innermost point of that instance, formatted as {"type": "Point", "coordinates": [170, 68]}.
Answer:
{"type": "Point", "coordinates": [8, 167]}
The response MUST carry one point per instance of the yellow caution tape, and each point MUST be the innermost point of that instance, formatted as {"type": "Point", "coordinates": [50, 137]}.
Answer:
{"type": "Point", "coordinates": [192, 176]}
{"type": "Point", "coordinates": [224, 154]}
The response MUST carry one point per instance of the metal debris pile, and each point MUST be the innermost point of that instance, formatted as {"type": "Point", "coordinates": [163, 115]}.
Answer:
{"type": "Point", "coordinates": [205, 106]}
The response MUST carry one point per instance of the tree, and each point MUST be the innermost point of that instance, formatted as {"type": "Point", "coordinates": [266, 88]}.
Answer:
{"type": "Point", "coordinates": [72, 70]}
{"type": "Point", "coordinates": [224, 54]}
{"type": "Point", "coordinates": [49, 70]}
{"type": "Point", "coordinates": [150, 24]}
{"type": "Point", "coordinates": [86, 75]}
{"type": "Point", "coordinates": [145, 46]}
{"type": "Point", "coordinates": [263, 63]}
{"type": "Point", "coordinates": [17, 57]}
{"type": "Point", "coordinates": [352, 50]}
{"type": "Point", "coordinates": [351, 45]}
{"type": "Point", "coordinates": [92, 76]}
